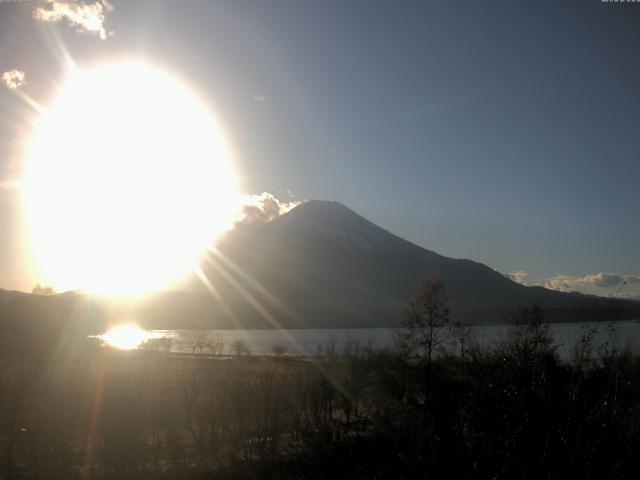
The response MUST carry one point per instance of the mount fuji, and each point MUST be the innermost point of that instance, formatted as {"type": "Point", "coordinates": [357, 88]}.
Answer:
{"type": "Point", "coordinates": [320, 265]}
{"type": "Point", "coordinates": [323, 265]}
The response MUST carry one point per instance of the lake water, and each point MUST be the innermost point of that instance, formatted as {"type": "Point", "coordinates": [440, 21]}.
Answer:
{"type": "Point", "coordinates": [313, 341]}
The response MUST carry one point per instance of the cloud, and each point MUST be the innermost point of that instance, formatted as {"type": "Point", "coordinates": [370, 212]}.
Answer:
{"type": "Point", "coordinates": [628, 295]}
{"type": "Point", "coordinates": [13, 78]}
{"type": "Point", "coordinates": [264, 208]}
{"type": "Point", "coordinates": [259, 98]}
{"type": "Point", "coordinates": [84, 17]}
{"type": "Point", "coordinates": [519, 276]}
{"type": "Point", "coordinates": [561, 283]}
{"type": "Point", "coordinates": [567, 283]}
{"type": "Point", "coordinates": [604, 280]}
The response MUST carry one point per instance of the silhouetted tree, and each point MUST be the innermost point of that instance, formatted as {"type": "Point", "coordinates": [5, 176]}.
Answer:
{"type": "Point", "coordinates": [240, 347]}
{"type": "Point", "coordinates": [423, 331]}
{"type": "Point", "coordinates": [278, 350]}
{"type": "Point", "coordinates": [216, 345]}
{"type": "Point", "coordinates": [462, 336]}
{"type": "Point", "coordinates": [532, 334]}
{"type": "Point", "coordinates": [43, 290]}
{"type": "Point", "coordinates": [162, 344]}
{"type": "Point", "coordinates": [196, 340]}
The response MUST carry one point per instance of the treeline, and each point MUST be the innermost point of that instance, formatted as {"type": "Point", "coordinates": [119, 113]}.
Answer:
{"type": "Point", "coordinates": [512, 411]}
{"type": "Point", "coordinates": [515, 411]}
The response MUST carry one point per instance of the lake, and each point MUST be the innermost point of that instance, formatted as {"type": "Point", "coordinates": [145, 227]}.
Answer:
{"type": "Point", "coordinates": [312, 341]}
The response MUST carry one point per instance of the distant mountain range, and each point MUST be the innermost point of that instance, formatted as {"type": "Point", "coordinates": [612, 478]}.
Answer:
{"type": "Point", "coordinates": [320, 265]}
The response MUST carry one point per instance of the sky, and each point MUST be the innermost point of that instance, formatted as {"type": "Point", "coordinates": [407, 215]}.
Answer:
{"type": "Point", "coordinates": [507, 132]}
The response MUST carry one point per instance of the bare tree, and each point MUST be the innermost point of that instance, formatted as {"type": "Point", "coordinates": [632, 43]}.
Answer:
{"type": "Point", "coordinates": [278, 350]}
{"type": "Point", "coordinates": [43, 290]}
{"type": "Point", "coordinates": [531, 335]}
{"type": "Point", "coordinates": [240, 347]}
{"type": "Point", "coordinates": [216, 345]}
{"type": "Point", "coordinates": [462, 337]}
{"type": "Point", "coordinates": [196, 340]}
{"type": "Point", "coordinates": [424, 329]}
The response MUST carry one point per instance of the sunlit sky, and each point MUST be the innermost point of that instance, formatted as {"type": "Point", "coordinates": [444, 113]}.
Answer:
{"type": "Point", "coordinates": [505, 132]}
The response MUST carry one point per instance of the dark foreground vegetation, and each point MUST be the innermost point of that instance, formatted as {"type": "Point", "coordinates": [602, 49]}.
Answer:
{"type": "Point", "coordinates": [514, 411]}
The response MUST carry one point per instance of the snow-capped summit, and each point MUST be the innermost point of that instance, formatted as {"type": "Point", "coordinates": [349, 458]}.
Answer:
{"type": "Point", "coordinates": [334, 221]}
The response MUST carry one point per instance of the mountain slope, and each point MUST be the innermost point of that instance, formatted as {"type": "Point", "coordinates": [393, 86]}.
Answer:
{"type": "Point", "coordinates": [320, 265]}
{"type": "Point", "coordinates": [331, 267]}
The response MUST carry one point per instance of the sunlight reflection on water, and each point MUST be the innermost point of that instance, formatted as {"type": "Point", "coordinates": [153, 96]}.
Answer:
{"type": "Point", "coordinates": [312, 341]}
{"type": "Point", "coordinates": [128, 336]}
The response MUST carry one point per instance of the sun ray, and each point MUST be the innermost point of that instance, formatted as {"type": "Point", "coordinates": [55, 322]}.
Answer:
{"type": "Point", "coordinates": [245, 294]}
{"type": "Point", "coordinates": [255, 284]}
{"type": "Point", "coordinates": [250, 299]}
{"type": "Point", "coordinates": [101, 372]}
{"type": "Point", "coordinates": [214, 292]}
{"type": "Point", "coordinates": [39, 109]}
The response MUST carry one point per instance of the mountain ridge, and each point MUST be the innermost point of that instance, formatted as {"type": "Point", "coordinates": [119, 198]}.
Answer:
{"type": "Point", "coordinates": [320, 265]}
{"type": "Point", "coordinates": [338, 261]}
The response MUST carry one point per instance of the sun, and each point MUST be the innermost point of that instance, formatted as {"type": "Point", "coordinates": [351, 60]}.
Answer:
{"type": "Point", "coordinates": [126, 180]}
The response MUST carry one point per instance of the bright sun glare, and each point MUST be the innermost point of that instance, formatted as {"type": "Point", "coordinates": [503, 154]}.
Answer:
{"type": "Point", "coordinates": [126, 181]}
{"type": "Point", "coordinates": [126, 337]}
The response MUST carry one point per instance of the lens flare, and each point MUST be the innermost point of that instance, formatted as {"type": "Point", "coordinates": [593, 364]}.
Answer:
{"type": "Point", "coordinates": [126, 181]}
